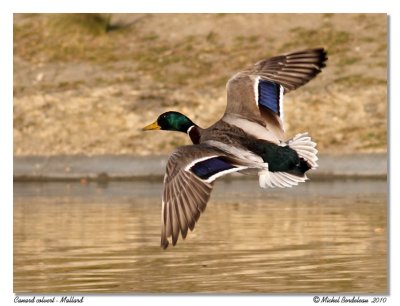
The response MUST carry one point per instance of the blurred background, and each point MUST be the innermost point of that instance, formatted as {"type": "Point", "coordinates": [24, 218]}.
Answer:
{"type": "Point", "coordinates": [87, 83]}
{"type": "Point", "coordinates": [88, 181]}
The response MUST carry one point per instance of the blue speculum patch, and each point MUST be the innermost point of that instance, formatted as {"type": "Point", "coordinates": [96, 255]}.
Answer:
{"type": "Point", "coordinates": [268, 95]}
{"type": "Point", "coordinates": [207, 168]}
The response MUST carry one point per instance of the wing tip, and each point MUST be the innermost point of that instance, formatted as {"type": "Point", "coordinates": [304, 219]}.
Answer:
{"type": "Point", "coordinates": [320, 53]}
{"type": "Point", "coordinates": [164, 243]}
{"type": "Point", "coordinates": [323, 57]}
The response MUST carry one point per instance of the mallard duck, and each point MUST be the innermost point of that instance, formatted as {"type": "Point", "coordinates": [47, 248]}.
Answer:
{"type": "Point", "coordinates": [248, 138]}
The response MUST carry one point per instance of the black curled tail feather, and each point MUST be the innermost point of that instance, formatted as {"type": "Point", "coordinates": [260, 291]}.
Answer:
{"type": "Point", "coordinates": [301, 167]}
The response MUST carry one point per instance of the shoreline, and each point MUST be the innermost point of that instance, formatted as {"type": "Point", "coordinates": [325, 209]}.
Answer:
{"type": "Point", "coordinates": [104, 168]}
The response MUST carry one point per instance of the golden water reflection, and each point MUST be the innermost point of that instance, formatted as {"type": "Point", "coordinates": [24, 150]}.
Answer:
{"type": "Point", "coordinates": [319, 238]}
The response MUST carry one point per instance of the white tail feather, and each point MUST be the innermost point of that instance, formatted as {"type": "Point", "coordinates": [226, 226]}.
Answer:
{"type": "Point", "coordinates": [279, 179]}
{"type": "Point", "coordinates": [305, 147]}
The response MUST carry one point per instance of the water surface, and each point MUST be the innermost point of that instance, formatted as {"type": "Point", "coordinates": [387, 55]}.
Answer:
{"type": "Point", "coordinates": [320, 237]}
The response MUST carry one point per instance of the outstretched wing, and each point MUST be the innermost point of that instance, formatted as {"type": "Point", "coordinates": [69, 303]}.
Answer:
{"type": "Point", "coordinates": [291, 70]}
{"type": "Point", "coordinates": [188, 181]}
{"type": "Point", "coordinates": [257, 92]}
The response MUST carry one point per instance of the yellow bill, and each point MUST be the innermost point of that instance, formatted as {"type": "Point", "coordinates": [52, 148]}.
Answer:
{"type": "Point", "coordinates": [153, 126]}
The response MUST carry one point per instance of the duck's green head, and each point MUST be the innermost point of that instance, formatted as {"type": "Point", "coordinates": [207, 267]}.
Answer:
{"type": "Point", "coordinates": [171, 121]}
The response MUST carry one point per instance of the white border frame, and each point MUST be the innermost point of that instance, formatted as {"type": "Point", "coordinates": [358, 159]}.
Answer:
{"type": "Point", "coordinates": [180, 6]}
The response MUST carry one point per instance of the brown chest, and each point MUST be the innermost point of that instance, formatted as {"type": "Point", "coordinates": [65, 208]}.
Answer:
{"type": "Point", "coordinates": [194, 134]}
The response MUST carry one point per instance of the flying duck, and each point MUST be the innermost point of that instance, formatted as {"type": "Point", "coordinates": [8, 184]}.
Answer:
{"type": "Point", "coordinates": [248, 138]}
